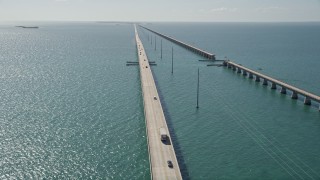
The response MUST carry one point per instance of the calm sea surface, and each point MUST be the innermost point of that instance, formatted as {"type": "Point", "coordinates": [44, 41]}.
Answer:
{"type": "Point", "coordinates": [71, 109]}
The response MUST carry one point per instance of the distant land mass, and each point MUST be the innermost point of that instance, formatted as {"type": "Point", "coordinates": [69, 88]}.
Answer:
{"type": "Point", "coordinates": [35, 27]}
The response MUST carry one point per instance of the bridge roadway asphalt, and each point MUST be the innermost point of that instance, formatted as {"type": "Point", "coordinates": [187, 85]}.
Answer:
{"type": "Point", "coordinates": [159, 152]}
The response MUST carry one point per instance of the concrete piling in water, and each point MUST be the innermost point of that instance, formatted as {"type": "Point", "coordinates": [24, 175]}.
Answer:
{"type": "Point", "coordinates": [244, 73]}
{"type": "Point", "coordinates": [294, 95]}
{"type": "Point", "coordinates": [161, 47]}
{"type": "Point", "coordinates": [265, 82]}
{"type": "Point", "coordinates": [198, 89]}
{"type": "Point", "coordinates": [250, 76]}
{"type": "Point", "coordinates": [283, 90]}
{"type": "Point", "coordinates": [234, 68]}
{"type": "Point", "coordinates": [172, 61]}
{"type": "Point", "coordinates": [155, 43]}
{"type": "Point", "coordinates": [239, 70]}
{"type": "Point", "coordinates": [273, 85]}
{"type": "Point", "coordinates": [257, 79]}
{"type": "Point", "coordinates": [307, 101]}
{"type": "Point", "coordinates": [225, 63]}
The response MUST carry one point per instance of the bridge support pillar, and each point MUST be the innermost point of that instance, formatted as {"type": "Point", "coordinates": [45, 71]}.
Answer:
{"type": "Point", "coordinates": [234, 68]}
{"type": "Point", "coordinates": [273, 85]}
{"type": "Point", "coordinates": [244, 73]}
{"type": "Point", "coordinates": [257, 79]}
{"type": "Point", "coordinates": [307, 101]}
{"type": "Point", "coordinates": [265, 82]}
{"type": "Point", "coordinates": [229, 65]}
{"type": "Point", "coordinates": [225, 63]}
{"type": "Point", "coordinates": [250, 75]}
{"type": "Point", "coordinates": [294, 95]}
{"type": "Point", "coordinates": [283, 90]}
{"type": "Point", "coordinates": [239, 70]}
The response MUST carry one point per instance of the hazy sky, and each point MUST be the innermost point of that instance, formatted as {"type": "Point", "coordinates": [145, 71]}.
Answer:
{"type": "Point", "coordinates": [160, 10]}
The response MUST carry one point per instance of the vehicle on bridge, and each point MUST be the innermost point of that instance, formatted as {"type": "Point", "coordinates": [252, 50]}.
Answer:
{"type": "Point", "coordinates": [163, 134]}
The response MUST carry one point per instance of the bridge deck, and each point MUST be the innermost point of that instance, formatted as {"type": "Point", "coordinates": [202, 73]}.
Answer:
{"type": "Point", "coordinates": [280, 83]}
{"type": "Point", "coordinates": [159, 152]}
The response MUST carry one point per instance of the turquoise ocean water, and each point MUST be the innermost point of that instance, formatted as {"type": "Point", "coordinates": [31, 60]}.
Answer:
{"type": "Point", "coordinates": [71, 108]}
